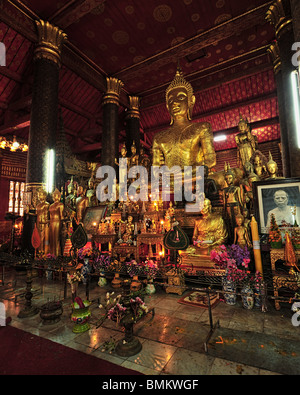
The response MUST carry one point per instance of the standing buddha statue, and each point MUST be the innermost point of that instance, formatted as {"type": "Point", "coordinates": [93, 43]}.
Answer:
{"type": "Point", "coordinates": [246, 143]}
{"type": "Point", "coordinates": [42, 220]}
{"type": "Point", "coordinates": [56, 211]}
{"type": "Point", "coordinates": [82, 204]}
{"type": "Point", "coordinates": [232, 201]}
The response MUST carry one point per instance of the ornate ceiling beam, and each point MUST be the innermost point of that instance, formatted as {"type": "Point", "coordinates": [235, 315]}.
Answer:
{"type": "Point", "coordinates": [22, 19]}
{"type": "Point", "coordinates": [195, 78]}
{"type": "Point", "coordinates": [218, 33]}
{"type": "Point", "coordinates": [25, 102]}
{"type": "Point", "coordinates": [18, 123]}
{"type": "Point", "coordinates": [75, 12]}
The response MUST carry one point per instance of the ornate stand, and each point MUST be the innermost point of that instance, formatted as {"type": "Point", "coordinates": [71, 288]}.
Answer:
{"type": "Point", "coordinates": [130, 345]}
{"type": "Point", "coordinates": [29, 310]}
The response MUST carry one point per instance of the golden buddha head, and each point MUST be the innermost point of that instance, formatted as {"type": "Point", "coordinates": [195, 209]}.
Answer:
{"type": "Point", "coordinates": [272, 165]}
{"type": "Point", "coordinates": [206, 210]}
{"type": "Point", "coordinates": [243, 124]}
{"type": "Point", "coordinates": [133, 148]}
{"type": "Point", "coordinates": [239, 219]}
{"type": "Point", "coordinates": [42, 195]}
{"type": "Point", "coordinates": [56, 195]}
{"type": "Point", "coordinates": [180, 99]}
{"type": "Point", "coordinates": [123, 151]}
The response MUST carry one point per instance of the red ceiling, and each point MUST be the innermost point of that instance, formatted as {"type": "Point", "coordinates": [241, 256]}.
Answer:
{"type": "Point", "coordinates": [140, 41]}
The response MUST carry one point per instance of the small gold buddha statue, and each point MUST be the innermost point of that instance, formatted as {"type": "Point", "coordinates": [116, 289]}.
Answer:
{"type": "Point", "coordinates": [272, 168]}
{"type": "Point", "coordinates": [42, 221]}
{"type": "Point", "coordinates": [82, 203]}
{"type": "Point", "coordinates": [246, 142]}
{"type": "Point", "coordinates": [259, 164]}
{"type": "Point", "coordinates": [134, 159]}
{"type": "Point", "coordinates": [56, 211]}
{"type": "Point", "coordinates": [91, 192]}
{"type": "Point", "coordinates": [184, 143]}
{"type": "Point", "coordinates": [241, 235]}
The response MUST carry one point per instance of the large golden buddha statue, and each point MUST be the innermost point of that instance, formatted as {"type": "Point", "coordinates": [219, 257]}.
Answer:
{"type": "Point", "coordinates": [185, 143]}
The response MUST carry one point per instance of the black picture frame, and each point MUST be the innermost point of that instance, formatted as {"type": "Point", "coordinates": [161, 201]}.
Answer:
{"type": "Point", "coordinates": [92, 218]}
{"type": "Point", "coordinates": [264, 204]}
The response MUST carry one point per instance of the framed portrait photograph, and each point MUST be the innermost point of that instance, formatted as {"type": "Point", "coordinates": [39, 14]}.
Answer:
{"type": "Point", "coordinates": [280, 197]}
{"type": "Point", "coordinates": [92, 218]}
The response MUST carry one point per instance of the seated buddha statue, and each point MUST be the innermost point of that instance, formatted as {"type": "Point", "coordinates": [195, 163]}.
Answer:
{"type": "Point", "coordinates": [209, 231]}
{"type": "Point", "coordinates": [184, 143]}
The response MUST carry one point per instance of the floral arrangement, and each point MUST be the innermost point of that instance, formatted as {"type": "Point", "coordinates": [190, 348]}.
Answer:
{"type": "Point", "coordinates": [274, 232]}
{"type": "Point", "coordinates": [234, 260]}
{"type": "Point", "coordinates": [151, 269]}
{"type": "Point", "coordinates": [115, 311]}
{"type": "Point", "coordinates": [74, 278]}
{"type": "Point", "coordinates": [85, 252]}
{"type": "Point", "coordinates": [132, 268]}
{"type": "Point", "coordinates": [102, 261]}
{"type": "Point", "coordinates": [138, 307]}
{"type": "Point", "coordinates": [295, 236]}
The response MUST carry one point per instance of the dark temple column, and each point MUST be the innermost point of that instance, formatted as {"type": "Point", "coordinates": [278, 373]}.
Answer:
{"type": "Point", "coordinates": [295, 8]}
{"type": "Point", "coordinates": [44, 109]}
{"type": "Point", "coordinates": [110, 130]}
{"type": "Point", "coordinates": [133, 124]}
{"type": "Point", "coordinates": [285, 154]}
{"type": "Point", "coordinates": [279, 14]}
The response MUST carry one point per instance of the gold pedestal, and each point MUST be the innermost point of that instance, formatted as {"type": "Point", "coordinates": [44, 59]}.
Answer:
{"type": "Point", "coordinates": [176, 282]}
{"type": "Point", "coordinates": [197, 261]}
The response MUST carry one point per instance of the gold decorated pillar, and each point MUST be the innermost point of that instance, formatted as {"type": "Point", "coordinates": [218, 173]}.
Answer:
{"type": "Point", "coordinates": [285, 154]}
{"type": "Point", "coordinates": [279, 15]}
{"type": "Point", "coordinates": [110, 130]}
{"type": "Point", "coordinates": [133, 124]}
{"type": "Point", "coordinates": [44, 109]}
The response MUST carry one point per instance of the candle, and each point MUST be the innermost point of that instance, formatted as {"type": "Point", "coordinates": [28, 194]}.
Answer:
{"type": "Point", "coordinates": [256, 246]}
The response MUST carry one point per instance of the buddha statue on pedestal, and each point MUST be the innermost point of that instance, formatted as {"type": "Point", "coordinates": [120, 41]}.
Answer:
{"type": "Point", "coordinates": [184, 143]}
{"type": "Point", "coordinates": [246, 143]}
{"type": "Point", "coordinates": [209, 232]}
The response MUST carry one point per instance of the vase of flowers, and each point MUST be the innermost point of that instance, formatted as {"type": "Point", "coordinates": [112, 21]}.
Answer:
{"type": "Point", "coordinates": [73, 278]}
{"type": "Point", "coordinates": [85, 254]}
{"type": "Point", "coordinates": [275, 238]}
{"type": "Point", "coordinates": [125, 310]}
{"type": "Point", "coordinates": [258, 288]}
{"type": "Point", "coordinates": [150, 269]}
{"type": "Point", "coordinates": [247, 296]}
{"type": "Point", "coordinates": [234, 260]}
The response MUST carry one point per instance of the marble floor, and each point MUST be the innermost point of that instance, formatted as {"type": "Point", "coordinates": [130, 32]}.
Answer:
{"type": "Point", "coordinates": [172, 339]}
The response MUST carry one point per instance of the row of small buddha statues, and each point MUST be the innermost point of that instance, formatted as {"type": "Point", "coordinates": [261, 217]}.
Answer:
{"type": "Point", "coordinates": [52, 218]}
